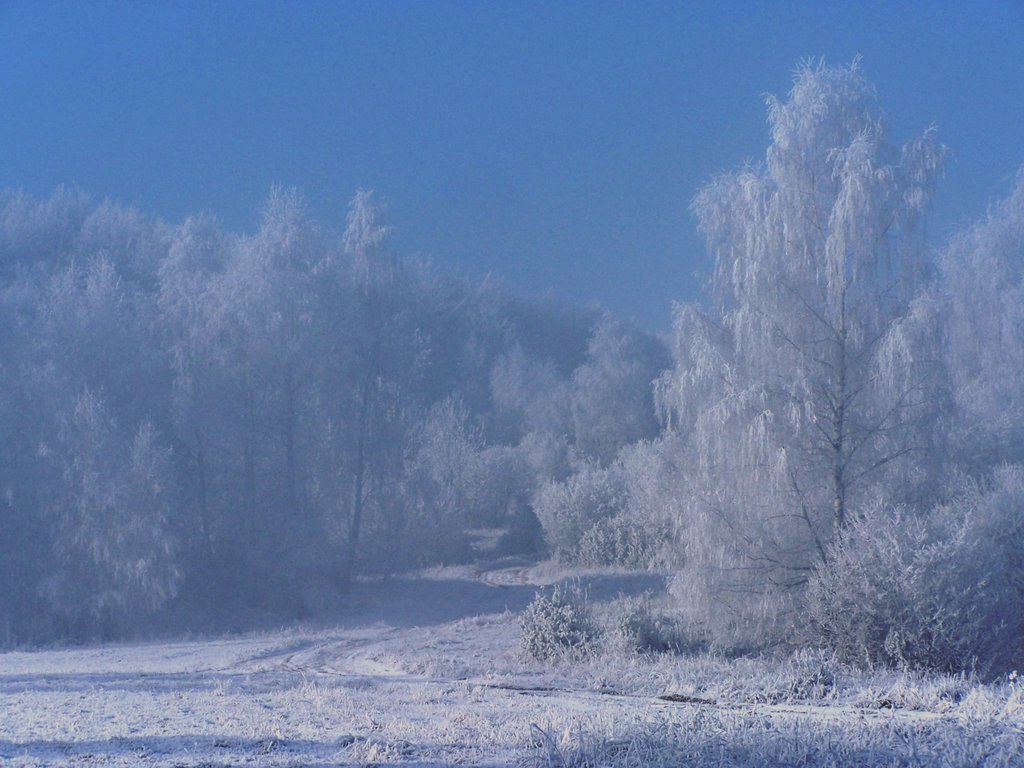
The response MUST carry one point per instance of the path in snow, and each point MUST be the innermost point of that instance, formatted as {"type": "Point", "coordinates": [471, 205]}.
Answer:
{"type": "Point", "coordinates": [418, 669]}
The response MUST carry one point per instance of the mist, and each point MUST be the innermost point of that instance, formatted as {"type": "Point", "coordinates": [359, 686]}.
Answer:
{"type": "Point", "coordinates": [288, 451]}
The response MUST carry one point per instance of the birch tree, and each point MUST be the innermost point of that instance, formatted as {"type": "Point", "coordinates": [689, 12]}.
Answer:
{"type": "Point", "coordinates": [264, 336]}
{"type": "Point", "coordinates": [191, 319]}
{"type": "Point", "coordinates": [377, 358]}
{"type": "Point", "coordinates": [801, 389]}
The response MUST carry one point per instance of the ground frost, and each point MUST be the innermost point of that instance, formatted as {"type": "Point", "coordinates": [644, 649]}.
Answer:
{"type": "Point", "coordinates": [398, 681]}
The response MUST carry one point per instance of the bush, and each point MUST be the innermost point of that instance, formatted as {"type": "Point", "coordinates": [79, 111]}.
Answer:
{"type": "Point", "coordinates": [620, 515]}
{"type": "Point", "coordinates": [616, 541]}
{"type": "Point", "coordinates": [940, 591]}
{"type": "Point", "coordinates": [558, 624]}
{"type": "Point", "coordinates": [568, 510]}
{"type": "Point", "coordinates": [637, 627]}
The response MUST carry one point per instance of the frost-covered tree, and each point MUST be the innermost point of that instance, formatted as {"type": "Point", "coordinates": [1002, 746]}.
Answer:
{"type": "Point", "coordinates": [24, 536]}
{"type": "Point", "coordinates": [442, 482]}
{"type": "Point", "coordinates": [133, 243]}
{"type": "Point", "coordinates": [39, 231]}
{"type": "Point", "coordinates": [804, 387]}
{"type": "Point", "coordinates": [983, 281]}
{"type": "Point", "coordinates": [191, 318]}
{"type": "Point", "coordinates": [109, 502]}
{"type": "Point", "coordinates": [286, 251]}
{"type": "Point", "coordinates": [96, 329]}
{"type": "Point", "coordinates": [265, 295]}
{"type": "Point", "coordinates": [376, 361]}
{"type": "Point", "coordinates": [610, 399]}
{"type": "Point", "coordinates": [364, 236]}
{"type": "Point", "coordinates": [531, 393]}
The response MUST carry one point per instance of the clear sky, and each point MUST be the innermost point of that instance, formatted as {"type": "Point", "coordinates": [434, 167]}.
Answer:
{"type": "Point", "coordinates": [554, 145]}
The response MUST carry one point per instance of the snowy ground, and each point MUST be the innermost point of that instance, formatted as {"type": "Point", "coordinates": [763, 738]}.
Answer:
{"type": "Point", "coordinates": [425, 671]}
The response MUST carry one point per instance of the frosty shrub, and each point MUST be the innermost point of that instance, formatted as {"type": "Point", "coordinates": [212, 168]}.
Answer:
{"type": "Point", "coordinates": [616, 541]}
{"type": "Point", "coordinates": [636, 626]}
{"type": "Point", "coordinates": [618, 515]}
{"type": "Point", "coordinates": [568, 510]}
{"type": "Point", "coordinates": [558, 624]}
{"type": "Point", "coordinates": [941, 591]}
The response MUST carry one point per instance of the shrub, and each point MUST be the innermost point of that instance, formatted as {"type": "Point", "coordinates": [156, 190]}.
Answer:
{"type": "Point", "coordinates": [940, 591]}
{"type": "Point", "coordinates": [637, 627]}
{"type": "Point", "coordinates": [569, 509]}
{"type": "Point", "coordinates": [558, 624]}
{"type": "Point", "coordinates": [615, 541]}
{"type": "Point", "coordinates": [813, 677]}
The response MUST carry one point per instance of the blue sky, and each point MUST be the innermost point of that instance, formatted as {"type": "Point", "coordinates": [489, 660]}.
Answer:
{"type": "Point", "coordinates": [554, 145]}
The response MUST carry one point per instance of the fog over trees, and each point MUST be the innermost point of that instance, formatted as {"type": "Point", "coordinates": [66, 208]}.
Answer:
{"type": "Point", "coordinates": [199, 425]}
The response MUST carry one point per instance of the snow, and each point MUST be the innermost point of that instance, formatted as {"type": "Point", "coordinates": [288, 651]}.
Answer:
{"type": "Point", "coordinates": [420, 670]}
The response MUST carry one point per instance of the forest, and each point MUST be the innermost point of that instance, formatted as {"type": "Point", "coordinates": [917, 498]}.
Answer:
{"type": "Point", "coordinates": [826, 451]}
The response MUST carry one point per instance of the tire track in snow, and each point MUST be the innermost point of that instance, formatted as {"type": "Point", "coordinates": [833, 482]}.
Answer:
{"type": "Point", "coordinates": [517, 576]}
{"type": "Point", "coordinates": [352, 657]}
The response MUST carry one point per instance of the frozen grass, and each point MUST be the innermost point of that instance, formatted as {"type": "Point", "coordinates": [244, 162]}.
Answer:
{"type": "Point", "coordinates": [428, 671]}
{"type": "Point", "coordinates": [700, 738]}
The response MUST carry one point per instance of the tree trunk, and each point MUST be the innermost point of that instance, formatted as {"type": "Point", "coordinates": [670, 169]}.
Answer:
{"type": "Point", "coordinates": [358, 489]}
{"type": "Point", "coordinates": [839, 427]}
{"type": "Point", "coordinates": [289, 444]}
{"type": "Point", "coordinates": [249, 462]}
{"type": "Point", "coordinates": [204, 506]}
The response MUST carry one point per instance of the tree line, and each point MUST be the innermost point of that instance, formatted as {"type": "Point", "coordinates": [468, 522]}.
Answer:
{"type": "Point", "coordinates": [199, 423]}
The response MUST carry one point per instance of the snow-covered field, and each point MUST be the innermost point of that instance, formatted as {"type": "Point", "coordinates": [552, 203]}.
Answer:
{"type": "Point", "coordinates": [426, 671]}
